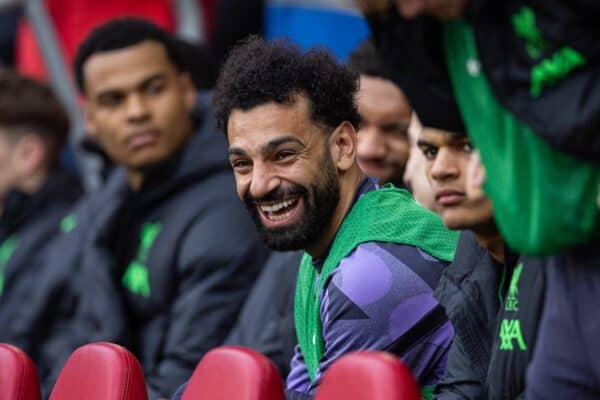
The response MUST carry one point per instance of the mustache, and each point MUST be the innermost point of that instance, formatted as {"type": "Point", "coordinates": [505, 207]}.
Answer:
{"type": "Point", "coordinates": [276, 194]}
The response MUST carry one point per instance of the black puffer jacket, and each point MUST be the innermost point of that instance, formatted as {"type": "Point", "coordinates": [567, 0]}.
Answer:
{"type": "Point", "coordinates": [468, 290]}
{"type": "Point", "coordinates": [27, 226]}
{"type": "Point", "coordinates": [164, 270]}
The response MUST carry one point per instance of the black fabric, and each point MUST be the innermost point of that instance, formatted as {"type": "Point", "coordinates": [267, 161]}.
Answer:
{"type": "Point", "coordinates": [34, 221]}
{"type": "Point", "coordinates": [200, 266]}
{"type": "Point", "coordinates": [567, 113]}
{"type": "Point", "coordinates": [506, 373]}
{"type": "Point", "coordinates": [266, 323]}
{"type": "Point", "coordinates": [565, 360]}
{"type": "Point", "coordinates": [413, 50]}
{"type": "Point", "coordinates": [468, 290]}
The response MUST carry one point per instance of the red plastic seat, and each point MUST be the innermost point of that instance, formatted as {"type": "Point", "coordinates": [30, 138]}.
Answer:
{"type": "Point", "coordinates": [18, 377]}
{"type": "Point", "coordinates": [100, 371]}
{"type": "Point", "coordinates": [368, 375]}
{"type": "Point", "coordinates": [238, 373]}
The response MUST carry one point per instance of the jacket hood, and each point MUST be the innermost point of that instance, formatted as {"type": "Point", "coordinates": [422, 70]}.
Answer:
{"type": "Point", "coordinates": [203, 154]}
{"type": "Point", "coordinates": [60, 188]}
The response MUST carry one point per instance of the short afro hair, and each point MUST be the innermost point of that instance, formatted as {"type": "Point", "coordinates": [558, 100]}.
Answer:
{"type": "Point", "coordinates": [364, 60]}
{"type": "Point", "coordinates": [257, 72]}
{"type": "Point", "coordinates": [119, 34]}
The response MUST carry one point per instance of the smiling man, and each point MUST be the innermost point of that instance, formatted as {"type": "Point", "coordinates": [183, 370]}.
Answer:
{"type": "Point", "coordinates": [383, 143]}
{"type": "Point", "coordinates": [165, 245]}
{"type": "Point", "coordinates": [366, 280]}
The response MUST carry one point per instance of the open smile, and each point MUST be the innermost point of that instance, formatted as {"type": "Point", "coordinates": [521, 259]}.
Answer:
{"type": "Point", "coordinates": [281, 212]}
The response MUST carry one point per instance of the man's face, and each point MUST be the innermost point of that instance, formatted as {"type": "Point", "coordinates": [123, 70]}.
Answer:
{"type": "Point", "coordinates": [383, 145]}
{"type": "Point", "coordinates": [8, 165]}
{"type": "Point", "coordinates": [447, 159]}
{"type": "Point", "coordinates": [442, 9]}
{"type": "Point", "coordinates": [138, 104]}
{"type": "Point", "coordinates": [284, 172]}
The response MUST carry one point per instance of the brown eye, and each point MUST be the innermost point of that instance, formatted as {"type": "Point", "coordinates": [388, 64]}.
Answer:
{"type": "Point", "coordinates": [284, 155]}
{"type": "Point", "coordinates": [429, 152]}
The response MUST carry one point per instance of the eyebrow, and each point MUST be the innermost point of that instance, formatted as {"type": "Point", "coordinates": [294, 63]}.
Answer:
{"type": "Point", "coordinates": [267, 148]}
{"type": "Point", "coordinates": [273, 144]}
{"type": "Point", "coordinates": [423, 142]}
{"type": "Point", "coordinates": [141, 85]}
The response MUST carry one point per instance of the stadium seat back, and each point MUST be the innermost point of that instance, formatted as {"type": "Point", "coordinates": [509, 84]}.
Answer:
{"type": "Point", "coordinates": [231, 372]}
{"type": "Point", "coordinates": [368, 375]}
{"type": "Point", "coordinates": [18, 377]}
{"type": "Point", "coordinates": [100, 371]}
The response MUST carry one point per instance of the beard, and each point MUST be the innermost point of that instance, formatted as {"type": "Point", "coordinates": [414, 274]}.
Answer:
{"type": "Point", "coordinates": [320, 201]}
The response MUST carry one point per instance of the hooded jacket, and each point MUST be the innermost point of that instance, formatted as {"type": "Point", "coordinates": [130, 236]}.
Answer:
{"type": "Point", "coordinates": [468, 290]}
{"type": "Point", "coordinates": [27, 225]}
{"type": "Point", "coordinates": [163, 270]}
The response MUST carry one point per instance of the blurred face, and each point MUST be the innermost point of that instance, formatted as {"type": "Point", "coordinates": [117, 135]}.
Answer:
{"type": "Point", "coordinates": [442, 9]}
{"type": "Point", "coordinates": [414, 173]}
{"type": "Point", "coordinates": [447, 158]}
{"type": "Point", "coordinates": [8, 165]}
{"type": "Point", "coordinates": [383, 145]}
{"type": "Point", "coordinates": [284, 172]}
{"type": "Point", "coordinates": [138, 105]}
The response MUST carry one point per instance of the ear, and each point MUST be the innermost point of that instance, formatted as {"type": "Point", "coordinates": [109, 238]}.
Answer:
{"type": "Point", "coordinates": [189, 90]}
{"type": "Point", "coordinates": [342, 144]}
{"type": "Point", "coordinates": [90, 120]}
{"type": "Point", "coordinates": [31, 153]}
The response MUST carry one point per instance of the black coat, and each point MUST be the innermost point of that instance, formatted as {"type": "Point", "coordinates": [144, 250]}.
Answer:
{"type": "Point", "coordinates": [516, 329]}
{"type": "Point", "coordinates": [468, 290]}
{"type": "Point", "coordinates": [164, 270]}
{"type": "Point", "coordinates": [266, 323]}
{"type": "Point", "coordinates": [27, 226]}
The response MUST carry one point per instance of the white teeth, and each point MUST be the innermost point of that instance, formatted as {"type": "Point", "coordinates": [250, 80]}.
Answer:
{"type": "Point", "coordinates": [276, 207]}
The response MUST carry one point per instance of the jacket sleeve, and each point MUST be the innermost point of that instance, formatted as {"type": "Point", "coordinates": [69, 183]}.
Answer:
{"type": "Point", "coordinates": [298, 381]}
{"type": "Point", "coordinates": [218, 260]}
{"type": "Point", "coordinates": [460, 381]}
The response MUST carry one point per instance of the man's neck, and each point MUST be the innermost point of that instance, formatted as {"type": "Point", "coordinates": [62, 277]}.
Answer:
{"type": "Point", "coordinates": [347, 192]}
{"type": "Point", "coordinates": [135, 179]}
{"type": "Point", "coordinates": [33, 183]}
{"type": "Point", "coordinates": [492, 241]}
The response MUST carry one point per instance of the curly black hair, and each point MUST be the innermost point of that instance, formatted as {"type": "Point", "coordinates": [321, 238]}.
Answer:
{"type": "Point", "coordinates": [119, 34]}
{"type": "Point", "coordinates": [257, 72]}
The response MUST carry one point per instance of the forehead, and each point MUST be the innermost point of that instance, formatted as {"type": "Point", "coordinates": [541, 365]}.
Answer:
{"type": "Point", "coordinates": [251, 129]}
{"type": "Point", "coordinates": [441, 138]}
{"type": "Point", "coordinates": [122, 68]}
{"type": "Point", "coordinates": [374, 88]}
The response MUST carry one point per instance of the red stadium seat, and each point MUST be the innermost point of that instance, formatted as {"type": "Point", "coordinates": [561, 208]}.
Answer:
{"type": "Point", "coordinates": [18, 378]}
{"type": "Point", "coordinates": [236, 373]}
{"type": "Point", "coordinates": [100, 371]}
{"type": "Point", "coordinates": [368, 375]}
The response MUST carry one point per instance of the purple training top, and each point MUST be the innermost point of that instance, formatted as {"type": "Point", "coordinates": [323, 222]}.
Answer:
{"type": "Point", "coordinates": [374, 299]}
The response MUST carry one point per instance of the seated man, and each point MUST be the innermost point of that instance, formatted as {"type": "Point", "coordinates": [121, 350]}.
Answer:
{"type": "Point", "coordinates": [383, 145]}
{"type": "Point", "coordinates": [35, 194]}
{"type": "Point", "coordinates": [495, 322]}
{"type": "Point", "coordinates": [164, 252]}
{"type": "Point", "coordinates": [372, 255]}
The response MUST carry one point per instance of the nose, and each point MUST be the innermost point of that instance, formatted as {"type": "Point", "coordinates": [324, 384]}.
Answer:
{"type": "Point", "coordinates": [137, 109]}
{"type": "Point", "coordinates": [264, 180]}
{"type": "Point", "coordinates": [371, 144]}
{"type": "Point", "coordinates": [445, 166]}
